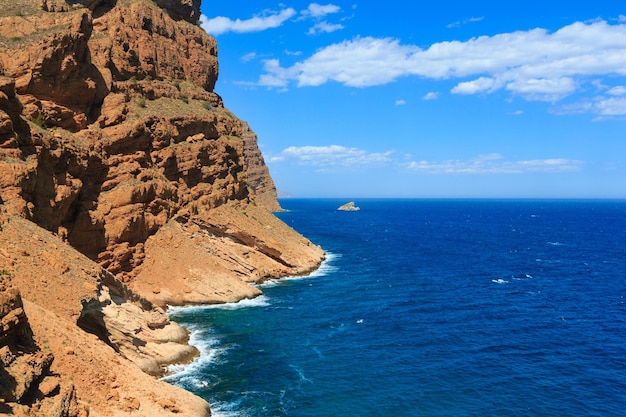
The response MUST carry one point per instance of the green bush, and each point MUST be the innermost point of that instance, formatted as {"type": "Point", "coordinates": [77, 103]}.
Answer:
{"type": "Point", "coordinates": [39, 121]}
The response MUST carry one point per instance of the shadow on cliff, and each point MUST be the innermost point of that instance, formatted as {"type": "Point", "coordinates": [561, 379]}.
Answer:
{"type": "Point", "coordinates": [97, 7]}
{"type": "Point", "coordinates": [80, 88]}
{"type": "Point", "coordinates": [23, 365]}
{"type": "Point", "coordinates": [64, 190]}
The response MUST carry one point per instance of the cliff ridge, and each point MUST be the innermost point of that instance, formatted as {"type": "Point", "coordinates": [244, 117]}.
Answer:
{"type": "Point", "coordinates": [126, 185]}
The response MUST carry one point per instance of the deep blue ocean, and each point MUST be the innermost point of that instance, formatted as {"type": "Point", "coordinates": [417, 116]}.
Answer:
{"type": "Point", "coordinates": [429, 308]}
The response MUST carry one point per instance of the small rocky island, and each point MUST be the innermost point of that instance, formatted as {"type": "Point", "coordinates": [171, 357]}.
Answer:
{"type": "Point", "coordinates": [349, 207]}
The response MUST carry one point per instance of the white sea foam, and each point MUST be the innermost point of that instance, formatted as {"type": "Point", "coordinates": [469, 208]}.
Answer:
{"type": "Point", "coordinates": [324, 269]}
{"type": "Point", "coordinates": [499, 281]}
{"type": "Point", "coordinates": [519, 277]}
{"type": "Point", "coordinates": [301, 376]}
{"type": "Point", "coordinates": [188, 375]}
{"type": "Point", "coordinates": [223, 410]}
{"type": "Point", "coordinates": [260, 301]}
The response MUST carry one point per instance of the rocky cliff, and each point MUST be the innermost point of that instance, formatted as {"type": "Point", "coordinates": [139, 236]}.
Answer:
{"type": "Point", "coordinates": [125, 186]}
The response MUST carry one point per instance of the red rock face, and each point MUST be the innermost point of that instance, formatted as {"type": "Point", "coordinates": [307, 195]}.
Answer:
{"type": "Point", "coordinates": [126, 132]}
{"type": "Point", "coordinates": [114, 144]}
{"type": "Point", "coordinates": [143, 41]}
{"type": "Point", "coordinates": [259, 180]}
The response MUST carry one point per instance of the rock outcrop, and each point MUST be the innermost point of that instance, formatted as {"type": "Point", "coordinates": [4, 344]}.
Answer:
{"type": "Point", "coordinates": [349, 206]}
{"type": "Point", "coordinates": [90, 334]}
{"type": "Point", "coordinates": [125, 186]}
{"type": "Point", "coordinates": [259, 180]}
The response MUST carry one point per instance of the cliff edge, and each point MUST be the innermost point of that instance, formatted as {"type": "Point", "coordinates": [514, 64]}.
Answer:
{"type": "Point", "coordinates": [125, 186]}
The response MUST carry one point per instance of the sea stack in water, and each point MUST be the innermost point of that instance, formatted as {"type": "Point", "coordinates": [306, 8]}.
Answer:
{"type": "Point", "coordinates": [349, 207]}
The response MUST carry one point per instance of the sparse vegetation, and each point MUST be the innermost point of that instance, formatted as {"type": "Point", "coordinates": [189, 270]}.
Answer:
{"type": "Point", "coordinates": [20, 8]}
{"type": "Point", "coordinates": [170, 106]}
{"type": "Point", "coordinates": [207, 105]}
{"type": "Point", "coordinates": [184, 98]}
{"type": "Point", "coordinates": [39, 121]}
{"type": "Point", "coordinates": [142, 102]}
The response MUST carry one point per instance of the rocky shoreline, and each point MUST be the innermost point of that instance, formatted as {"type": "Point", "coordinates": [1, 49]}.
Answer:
{"type": "Point", "coordinates": [125, 186]}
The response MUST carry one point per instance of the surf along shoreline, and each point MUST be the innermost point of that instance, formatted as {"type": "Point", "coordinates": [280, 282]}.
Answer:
{"type": "Point", "coordinates": [184, 374]}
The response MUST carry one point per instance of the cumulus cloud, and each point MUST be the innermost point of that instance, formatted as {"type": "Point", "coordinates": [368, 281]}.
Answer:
{"type": "Point", "coordinates": [333, 156]}
{"type": "Point", "coordinates": [328, 158]}
{"type": "Point", "coordinates": [619, 90]}
{"type": "Point", "coordinates": [605, 108]}
{"type": "Point", "coordinates": [432, 95]}
{"type": "Point", "coordinates": [400, 102]}
{"type": "Point", "coordinates": [324, 27]}
{"type": "Point", "coordinates": [613, 106]}
{"type": "Point", "coordinates": [481, 84]}
{"type": "Point", "coordinates": [534, 64]}
{"type": "Point", "coordinates": [272, 19]}
{"type": "Point", "coordinates": [317, 10]}
{"type": "Point", "coordinates": [494, 164]}
{"type": "Point", "coordinates": [361, 62]}
{"type": "Point", "coordinates": [220, 24]}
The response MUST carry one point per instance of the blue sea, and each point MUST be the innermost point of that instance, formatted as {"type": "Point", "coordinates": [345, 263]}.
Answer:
{"type": "Point", "coordinates": [428, 308]}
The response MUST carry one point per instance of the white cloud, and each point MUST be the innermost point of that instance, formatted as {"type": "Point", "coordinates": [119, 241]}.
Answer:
{"type": "Point", "coordinates": [332, 156]}
{"type": "Point", "coordinates": [400, 102]}
{"type": "Point", "coordinates": [494, 164]}
{"type": "Point", "coordinates": [612, 106]}
{"type": "Point", "coordinates": [324, 27]}
{"type": "Point", "coordinates": [620, 90]}
{"type": "Point", "coordinates": [248, 57]}
{"type": "Point", "coordinates": [459, 23]}
{"type": "Point", "coordinates": [476, 86]}
{"type": "Point", "coordinates": [433, 95]}
{"type": "Point", "coordinates": [534, 64]}
{"type": "Point", "coordinates": [221, 24]}
{"type": "Point", "coordinates": [361, 62]}
{"type": "Point", "coordinates": [543, 89]}
{"type": "Point", "coordinates": [606, 108]}
{"type": "Point", "coordinates": [318, 10]}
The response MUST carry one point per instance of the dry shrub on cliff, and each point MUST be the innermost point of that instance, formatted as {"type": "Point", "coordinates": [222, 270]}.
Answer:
{"type": "Point", "coordinates": [20, 8]}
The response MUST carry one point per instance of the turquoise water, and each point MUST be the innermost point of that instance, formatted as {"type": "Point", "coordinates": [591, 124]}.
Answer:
{"type": "Point", "coordinates": [429, 308]}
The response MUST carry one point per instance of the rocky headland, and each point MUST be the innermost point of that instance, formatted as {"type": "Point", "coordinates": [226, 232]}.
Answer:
{"type": "Point", "coordinates": [125, 186]}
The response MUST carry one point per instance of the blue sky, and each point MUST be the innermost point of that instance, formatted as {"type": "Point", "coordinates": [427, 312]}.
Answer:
{"type": "Point", "coordinates": [445, 99]}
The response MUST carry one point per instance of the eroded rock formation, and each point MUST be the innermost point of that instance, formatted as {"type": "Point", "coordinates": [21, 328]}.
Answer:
{"type": "Point", "coordinates": [125, 186]}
